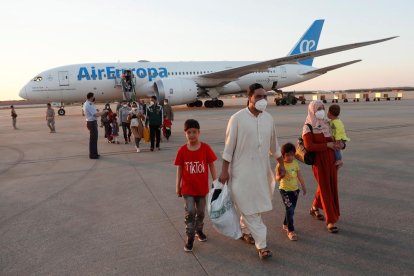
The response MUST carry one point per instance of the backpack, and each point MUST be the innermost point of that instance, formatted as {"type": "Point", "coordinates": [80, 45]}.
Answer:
{"type": "Point", "coordinates": [302, 154]}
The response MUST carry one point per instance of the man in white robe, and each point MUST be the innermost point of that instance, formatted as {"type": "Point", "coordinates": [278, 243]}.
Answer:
{"type": "Point", "coordinates": [250, 139]}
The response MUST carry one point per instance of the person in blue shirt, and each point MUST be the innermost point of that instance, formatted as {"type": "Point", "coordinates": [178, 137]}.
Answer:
{"type": "Point", "coordinates": [91, 114]}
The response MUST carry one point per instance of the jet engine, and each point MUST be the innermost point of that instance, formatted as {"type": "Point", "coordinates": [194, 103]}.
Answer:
{"type": "Point", "coordinates": [177, 91]}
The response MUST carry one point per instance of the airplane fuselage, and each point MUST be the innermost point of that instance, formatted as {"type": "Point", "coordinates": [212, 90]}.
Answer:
{"type": "Point", "coordinates": [71, 83]}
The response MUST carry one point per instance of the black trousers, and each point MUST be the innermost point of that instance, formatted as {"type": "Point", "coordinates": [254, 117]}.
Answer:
{"type": "Point", "coordinates": [93, 138]}
{"type": "Point", "coordinates": [126, 129]}
{"type": "Point", "coordinates": [155, 135]}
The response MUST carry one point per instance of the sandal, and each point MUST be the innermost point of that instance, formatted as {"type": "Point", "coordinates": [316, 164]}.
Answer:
{"type": "Point", "coordinates": [264, 253]}
{"type": "Point", "coordinates": [315, 213]}
{"type": "Point", "coordinates": [248, 238]}
{"type": "Point", "coordinates": [332, 229]}
{"type": "Point", "coordinates": [292, 236]}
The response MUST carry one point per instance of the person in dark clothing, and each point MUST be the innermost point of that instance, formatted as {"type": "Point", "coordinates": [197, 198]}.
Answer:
{"type": "Point", "coordinates": [154, 120]}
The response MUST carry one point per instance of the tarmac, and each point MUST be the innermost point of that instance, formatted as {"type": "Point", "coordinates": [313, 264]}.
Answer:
{"type": "Point", "coordinates": [64, 214]}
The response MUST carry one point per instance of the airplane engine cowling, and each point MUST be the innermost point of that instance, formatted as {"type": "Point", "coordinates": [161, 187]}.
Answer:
{"type": "Point", "coordinates": [177, 91]}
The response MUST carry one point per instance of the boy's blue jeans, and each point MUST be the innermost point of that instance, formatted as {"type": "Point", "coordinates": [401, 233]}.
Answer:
{"type": "Point", "coordinates": [290, 198]}
{"type": "Point", "coordinates": [194, 214]}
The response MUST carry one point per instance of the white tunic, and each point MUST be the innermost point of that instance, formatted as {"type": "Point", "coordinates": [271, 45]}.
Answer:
{"type": "Point", "coordinates": [249, 142]}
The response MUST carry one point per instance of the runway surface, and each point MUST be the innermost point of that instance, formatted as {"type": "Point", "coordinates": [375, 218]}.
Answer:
{"type": "Point", "coordinates": [64, 214]}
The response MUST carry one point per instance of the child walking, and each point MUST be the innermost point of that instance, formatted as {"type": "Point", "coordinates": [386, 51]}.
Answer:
{"type": "Point", "coordinates": [338, 131]}
{"type": "Point", "coordinates": [194, 159]}
{"type": "Point", "coordinates": [166, 129]}
{"type": "Point", "coordinates": [289, 188]}
{"type": "Point", "coordinates": [115, 129]}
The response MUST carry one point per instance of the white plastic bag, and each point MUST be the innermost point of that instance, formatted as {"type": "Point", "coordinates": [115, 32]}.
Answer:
{"type": "Point", "coordinates": [222, 213]}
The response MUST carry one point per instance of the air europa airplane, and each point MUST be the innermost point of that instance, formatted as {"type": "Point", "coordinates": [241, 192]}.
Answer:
{"type": "Point", "coordinates": [183, 82]}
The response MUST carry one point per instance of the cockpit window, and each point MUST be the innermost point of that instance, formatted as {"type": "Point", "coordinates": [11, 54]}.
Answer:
{"type": "Point", "coordinates": [38, 78]}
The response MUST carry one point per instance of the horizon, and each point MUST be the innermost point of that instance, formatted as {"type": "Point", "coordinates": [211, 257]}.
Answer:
{"type": "Point", "coordinates": [45, 35]}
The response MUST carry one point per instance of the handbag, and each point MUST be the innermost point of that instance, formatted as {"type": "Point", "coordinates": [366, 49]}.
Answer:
{"type": "Point", "coordinates": [146, 135]}
{"type": "Point", "coordinates": [302, 154]}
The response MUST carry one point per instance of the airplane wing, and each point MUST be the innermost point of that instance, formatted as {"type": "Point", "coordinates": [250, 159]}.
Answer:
{"type": "Point", "coordinates": [330, 68]}
{"type": "Point", "coordinates": [234, 73]}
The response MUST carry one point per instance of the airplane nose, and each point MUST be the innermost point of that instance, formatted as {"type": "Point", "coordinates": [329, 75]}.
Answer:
{"type": "Point", "coordinates": [23, 93]}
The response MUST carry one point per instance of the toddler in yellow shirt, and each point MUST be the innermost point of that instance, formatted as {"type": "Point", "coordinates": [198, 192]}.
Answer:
{"type": "Point", "coordinates": [289, 187]}
{"type": "Point", "coordinates": [338, 131]}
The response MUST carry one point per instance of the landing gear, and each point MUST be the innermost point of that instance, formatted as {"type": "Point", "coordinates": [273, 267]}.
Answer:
{"type": "Point", "coordinates": [213, 103]}
{"type": "Point", "coordinates": [61, 111]}
{"type": "Point", "coordinates": [197, 103]}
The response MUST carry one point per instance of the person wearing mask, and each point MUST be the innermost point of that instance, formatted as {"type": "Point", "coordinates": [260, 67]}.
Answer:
{"type": "Point", "coordinates": [319, 140]}
{"type": "Point", "coordinates": [154, 118]}
{"type": "Point", "coordinates": [50, 118]}
{"type": "Point", "coordinates": [123, 117]}
{"type": "Point", "coordinates": [91, 114]}
{"type": "Point", "coordinates": [137, 127]}
{"type": "Point", "coordinates": [168, 112]}
{"type": "Point", "coordinates": [250, 139]}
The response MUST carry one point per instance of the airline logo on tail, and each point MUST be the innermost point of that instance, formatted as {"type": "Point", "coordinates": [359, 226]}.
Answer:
{"type": "Point", "coordinates": [308, 42]}
{"type": "Point", "coordinates": [307, 45]}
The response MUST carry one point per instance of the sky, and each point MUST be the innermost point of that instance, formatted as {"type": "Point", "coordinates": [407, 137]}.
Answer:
{"type": "Point", "coordinates": [39, 35]}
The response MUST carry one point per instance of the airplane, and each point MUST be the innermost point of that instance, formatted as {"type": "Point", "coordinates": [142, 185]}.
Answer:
{"type": "Point", "coordinates": [184, 82]}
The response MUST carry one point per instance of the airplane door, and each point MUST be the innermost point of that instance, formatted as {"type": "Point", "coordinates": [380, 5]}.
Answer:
{"type": "Point", "coordinates": [63, 78]}
{"type": "Point", "coordinates": [283, 72]}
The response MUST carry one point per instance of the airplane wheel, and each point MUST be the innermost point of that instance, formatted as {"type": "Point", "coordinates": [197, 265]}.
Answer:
{"type": "Point", "coordinates": [333, 101]}
{"type": "Point", "coordinates": [190, 105]}
{"type": "Point", "coordinates": [198, 103]}
{"type": "Point", "coordinates": [208, 104]}
{"type": "Point", "coordinates": [346, 100]}
{"type": "Point", "coordinates": [219, 103]}
{"type": "Point", "coordinates": [388, 99]}
{"type": "Point", "coordinates": [303, 102]}
{"type": "Point", "coordinates": [294, 101]}
{"type": "Point", "coordinates": [61, 112]}
{"type": "Point", "coordinates": [324, 101]}
{"type": "Point", "coordinates": [357, 100]}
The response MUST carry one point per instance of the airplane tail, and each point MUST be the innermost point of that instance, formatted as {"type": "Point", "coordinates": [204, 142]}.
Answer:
{"type": "Point", "coordinates": [308, 42]}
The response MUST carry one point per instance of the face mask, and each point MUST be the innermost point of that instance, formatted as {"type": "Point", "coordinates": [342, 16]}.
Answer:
{"type": "Point", "coordinates": [151, 104]}
{"type": "Point", "coordinates": [125, 105]}
{"type": "Point", "coordinates": [261, 105]}
{"type": "Point", "coordinates": [320, 114]}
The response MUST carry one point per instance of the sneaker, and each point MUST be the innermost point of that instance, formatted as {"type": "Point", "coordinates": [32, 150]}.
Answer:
{"type": "Point", "coordinates": [126, 142]}
{"type": "Point", "coordinates": [201, 236]}
{"type": "Point", "coordinates": [152, 149]}
{"type": "Point", "coordinates": [158, 148]}
{"type": "Point", "coordinates": [188, 247]}
{"type": "Point", "coordinates": [138, 150]}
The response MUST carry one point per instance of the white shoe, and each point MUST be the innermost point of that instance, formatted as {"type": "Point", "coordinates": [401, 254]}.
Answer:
{"type": "Point", "coordinates": [138, 150]}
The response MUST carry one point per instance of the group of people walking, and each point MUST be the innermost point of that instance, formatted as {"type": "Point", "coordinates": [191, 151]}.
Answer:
{"type": "Point", "coordinates": [135, 118]}
{"type": "Point", "coordinates": [250, 138]}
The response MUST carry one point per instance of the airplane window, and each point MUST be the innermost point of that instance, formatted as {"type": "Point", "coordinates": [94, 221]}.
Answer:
{"type": "Point", "coordinates": [38, 78]}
